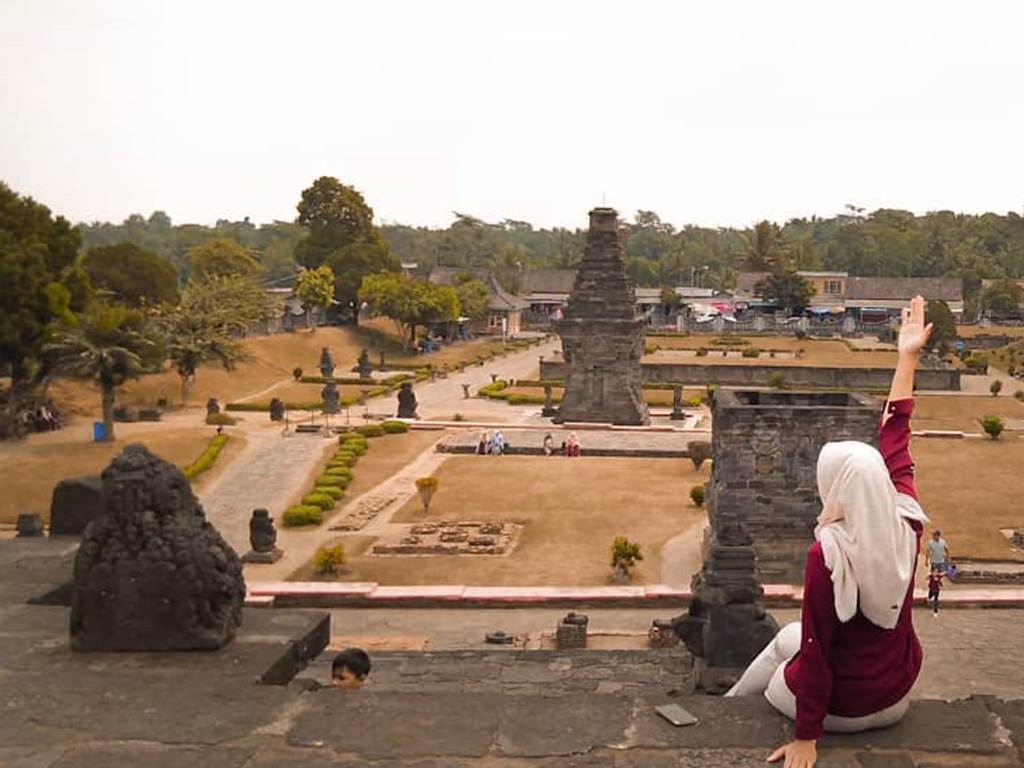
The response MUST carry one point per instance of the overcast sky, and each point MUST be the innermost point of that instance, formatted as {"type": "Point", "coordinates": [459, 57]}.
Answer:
{"type": "Point", "coordinates": [715, 113]}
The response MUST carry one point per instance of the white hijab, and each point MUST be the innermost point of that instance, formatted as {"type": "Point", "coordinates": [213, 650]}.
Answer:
{"type": "Point", "coordinates": [868, 545]}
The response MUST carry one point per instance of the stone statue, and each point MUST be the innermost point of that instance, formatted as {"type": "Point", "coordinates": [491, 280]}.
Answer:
{"type": "Point", "coordinates": [363, 365]}
{"type": "Point", "coordinates": [382, 360]}
{"type": "Point", "coordinates": [262, 539]}
{"type": "Point", "coordinates": [677, 403]}
{"type": "Point", "coordinates": [549, 404]}
{"type": "Point", "coordinates": [276, 409]}
{"type": "Point", "coordinates": [212, 407]}
{"type": "Point", "coordinates": [406, 401]}
{"type": "Point", "coordinates": [151, 573]}
{"type": "Point", "coordinates": [331, 398]}
{"type": "Point", "coordinates": [326, 363]}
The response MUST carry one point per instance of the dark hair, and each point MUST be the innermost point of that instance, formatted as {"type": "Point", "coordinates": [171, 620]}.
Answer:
{"type": "Point", "coordinates": [355, 660]}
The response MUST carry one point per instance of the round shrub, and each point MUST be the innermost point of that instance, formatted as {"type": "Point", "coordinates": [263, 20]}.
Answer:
{"type": "Point", "coordinates": [220, 419]}
{"type": "Point", "coordinates": [350, 437]}
{"type": "Point", "coordinates": [370, 430]}
{"type": "Point", "coordinates": [394, 427]}
{"type": "Point", "coordinates": [329, 559]}
{"type": "Point", "coordinates": [339, 470]}
{"type": "Point", "coordinates": [322, 500]}
{"type": "Point", "coordinates": [346, 457]}
{"type": "Point", "coordinates": [296, 373]}
{"type": "Point", "coordinates": [336, 480]}
{"type": "Point", "coordinates": [751, 352]}
{"type": "Point", "coordinates": [330, 490]}
{"type": "Point", "coordinates": [358, 449]}
{"type": "Point", "coordinates": [697, 495]}
{"type": "Point", "coordinates": [302, 514]}
{"type": "Point", "coordinates": [1019, 394]}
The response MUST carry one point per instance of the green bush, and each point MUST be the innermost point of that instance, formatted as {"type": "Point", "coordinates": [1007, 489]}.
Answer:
{"type": "Point", "coordinates": [322, 500]}
{"type": "Point", "coordinates": [995, 388]}
{"type": "Point", "coordinates": [331, 490]}
{"type": "Point", "coordinates": [697, 495]}
{"type": "Point", "coordinates": [625, 553]}
{"type": "Point", "coordinates": [370, 430]}
{"type": "Point", "coordinates": [777, 380]}
{"type": "Point", "coordinates": [329, 559]}
{"type": "Point", "coordinates": [338, 480]}
{"type": "Point", "coordinates": [751, 352]}
{"type": "Point", "coordinates": [338, 470]}
{"type": "Point", "coordinates": [220, 419]}
{"type": "Point", "coordinates": [1019, 394]}
{"type": "Point", "coordinates": [247, 407]}
{"type": "Point", "coordinates": [702, 352]}
{"type": "Point", "coordinates": [206, 458]}
{"type": "Point", "coordinates": [977, 364]}
{"type": "Point", "coordinates": [699, 451]}
{"type": "Point", "coordinates": [730, 341]}
{"type": "Point", "coordinates": [348, 458]}
{"type": "Point", "coordinates": [359, 449]}
{"type": "Point", "coordinates": [297, 373]}
{"type": "Point", "coordinates": [302, 514]}
{"type": "Point", "coordinates": [993, 426]}
{"type": "Point", "coordinates": [394, 427]}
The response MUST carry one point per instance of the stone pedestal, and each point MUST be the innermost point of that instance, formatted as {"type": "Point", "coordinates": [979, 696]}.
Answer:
{"type": "Point", "coordinates": [677, 403]}
{"type": "Point", "coordinates": [29, 525]}
{"type": "Point", "coordinates": [602, 337]}
{"type": "Point", "coordinates": [331, 397]}
{"type": "Point", "coordinates": [765, 447]}
{"type": "Point", "coordinates": [152, 574]}
{"type": "Point", "coordinates": [363, 365]}
{"type": "Point", "coordinates": [572, 631]}
{"type": "Point", "coordinates": [326, 363]}
{"type": "Point", "coordinates": [549, 409]}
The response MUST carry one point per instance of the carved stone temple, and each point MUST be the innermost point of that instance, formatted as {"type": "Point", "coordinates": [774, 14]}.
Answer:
{"type": "Point", "coordinates": [602, 336]}
{"type": "Point", "coordinates": [151, 573]}
{"type": "Point", "coordinates": [765, 448]}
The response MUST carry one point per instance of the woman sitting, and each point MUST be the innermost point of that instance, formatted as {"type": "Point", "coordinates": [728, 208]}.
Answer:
{"type": "Point", "coordinates": [850, 662]}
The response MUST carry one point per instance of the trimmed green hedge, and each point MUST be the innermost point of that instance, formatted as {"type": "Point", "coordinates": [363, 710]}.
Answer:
{"type": "Point", "coordinates": [394, 427]}
{"type": "Point", "coordinates": [370, 430]}
{"type": "Point", "coordinates": [302, 514]}
{"type": "Point", "coordinates": [323, 500]}
{"type": "Point", "coordinates": [330, 490]}
{"type": "Point", "coordinates": [206, 458]}
{"type": "Point", "coordinates": [220, 419]}
{"type": "Point", "coordinates": [338, 480]}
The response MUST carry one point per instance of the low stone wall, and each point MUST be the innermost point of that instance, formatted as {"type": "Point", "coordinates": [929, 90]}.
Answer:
{"type": "Point", "coordinates": [989, 577]}
{"type": "Point", "coordinates": [987, 341]}
{"type": "Point", "coordinates": [760, 375]}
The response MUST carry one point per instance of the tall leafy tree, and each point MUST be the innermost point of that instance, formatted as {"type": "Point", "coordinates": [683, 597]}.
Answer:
{"type": "Point", "coordinates": [410, 302]}
{"type": "Point", "coordinates": [764, 250]}
{"type": "Point", "coordinates": [222, 257]}
{"type": "Point", "coordinates": [473, 296]}
{"type": "Point", "coordinates": [109, 345]}
{"type": "Point", "coordinates": [131, 274]}
{"type": "Point", "coordinates": [38, 284]}
{"type": "Point", "coordinates": [315, 289]}
{"type": "Point", "coordinates": [342, 236]}
{"type": "Point", "coordinates": [204, 327]}
{"type": "Point", "coordinates": [1003, 298]}
{"type": "Point", "coordinates": [943, 324]}
{"type": "Point", "coordinates": [787, 290]}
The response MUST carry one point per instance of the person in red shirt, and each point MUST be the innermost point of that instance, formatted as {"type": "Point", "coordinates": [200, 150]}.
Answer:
{"type": "Point", "coordinates": [850, 662]}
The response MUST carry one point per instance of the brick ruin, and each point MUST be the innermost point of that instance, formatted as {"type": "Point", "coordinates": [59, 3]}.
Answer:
{"type": "Point", "coordinates": [765, 447]}
{"type": "Point", "coordinates": [602, 337]}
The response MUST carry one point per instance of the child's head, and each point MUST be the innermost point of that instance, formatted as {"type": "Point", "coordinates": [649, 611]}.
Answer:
{"type": "Point", "coordinates": [936, 570]}
{"type": "Point", "coordinates": [936, 535]}
{"type": "Point", "coordinates": [350, 669]}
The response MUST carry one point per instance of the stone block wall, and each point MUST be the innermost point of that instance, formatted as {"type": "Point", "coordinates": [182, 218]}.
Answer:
{"type": "Point", "coordinates": [760, 375]}
{"type": "Point", "coordinates": [765, 447]}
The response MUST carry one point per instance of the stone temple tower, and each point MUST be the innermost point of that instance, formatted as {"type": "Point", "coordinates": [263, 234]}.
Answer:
{"type": "Point", "coordinates": [602, 336]}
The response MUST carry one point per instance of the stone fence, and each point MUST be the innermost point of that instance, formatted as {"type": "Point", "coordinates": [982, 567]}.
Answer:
{"type": "Point", "coordinates": [762, 375]}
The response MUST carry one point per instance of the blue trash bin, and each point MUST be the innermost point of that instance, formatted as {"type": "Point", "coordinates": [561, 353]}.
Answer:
{"type": "Point", "coordinates": [97, 431]}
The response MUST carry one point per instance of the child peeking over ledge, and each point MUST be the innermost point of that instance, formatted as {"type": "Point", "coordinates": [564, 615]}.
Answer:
{"type": "Point", "coordinates": [350, 669]}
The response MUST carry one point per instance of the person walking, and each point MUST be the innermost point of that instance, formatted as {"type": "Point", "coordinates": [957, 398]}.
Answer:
{"type": "Point", "coordinates": [850, 662]}
{"type": "Point", "coordinates": [934, 588]}
{"type": "Point", "coordinates": [497, 443]}
{"type": "Point", "coordinates": [938, 552]}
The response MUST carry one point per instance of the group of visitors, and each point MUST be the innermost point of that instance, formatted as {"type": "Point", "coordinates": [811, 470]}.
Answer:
{"type": "Point", "coordinates": [570, 447]}
{"type": "Point", "coordinates": [39, 418]}
{"type": "Point", "coordinates": [492, 444]}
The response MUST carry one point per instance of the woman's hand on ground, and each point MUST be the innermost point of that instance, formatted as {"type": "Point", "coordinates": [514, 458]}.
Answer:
{"type": "Point", "coordinates": [913, 332]}
{"type": "Point", "coordinates": [798, 754]}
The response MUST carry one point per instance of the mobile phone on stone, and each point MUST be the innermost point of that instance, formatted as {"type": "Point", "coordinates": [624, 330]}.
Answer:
{"type": "Point", "coordinates": [676, 715]}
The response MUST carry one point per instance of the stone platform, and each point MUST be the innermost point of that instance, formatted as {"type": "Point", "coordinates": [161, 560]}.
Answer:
{"type": "Point", "coordinates": [628, 443]}
{"type": "Point", "coordinates": [496, 708]}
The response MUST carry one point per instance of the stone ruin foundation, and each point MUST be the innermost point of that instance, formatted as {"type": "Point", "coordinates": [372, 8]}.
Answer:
{"type": "Point", "coordinates": [572, 631]}
{"type": "Point", "coordinates": [151, 573]}
{"type": "Point", "coordinates": [446, 538]}
{"type": "Point", "coordinates": [602, 336]}
{"type": "Point", "coordinates": [726, 625]}
{"type": "Point", "coordinates": [764, 478]}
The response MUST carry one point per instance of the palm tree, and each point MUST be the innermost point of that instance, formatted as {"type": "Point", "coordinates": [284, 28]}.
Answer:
{"type": "Point", "coordinates": [108, 346]}
{"type": "Point", "coordinates": [764, 248]}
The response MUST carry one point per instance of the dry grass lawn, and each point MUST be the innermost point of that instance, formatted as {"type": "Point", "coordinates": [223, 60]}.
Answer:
{"type": "Point", "coordinates": [962, 413]}
{"type": "Point", "coordinates": [570, 510]}
{"type": "Point", "coordinates": [819, 352]}
{"type": "Point", "coordinates": [397, 354]}
{"type": "Point", "coordinates": [970, 331]}
{"type": "Point", "coordinates": [29, 475]}
{"type": "Point", "coordinates": [270, 360]}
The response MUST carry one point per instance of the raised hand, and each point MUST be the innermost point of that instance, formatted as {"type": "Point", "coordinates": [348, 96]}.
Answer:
{"type": "Point", "coordinates": [913, 332]}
